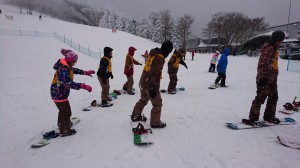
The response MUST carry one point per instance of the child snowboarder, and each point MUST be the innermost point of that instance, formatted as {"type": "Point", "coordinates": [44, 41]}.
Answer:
{"type": "Point", "coordinates": [104, 73]}
{"type": "Point", "coordinates": [149, 86]}
{"type": "Point", "coordinates": [266, 81]}
{"type": "Point", "coordinates": [60, 89]}
{"type": "Point", "coordinates": [128, 70]}
{"type": "Point", "coordinates": [221, 68]}
{"type": "Point", "coordinates": [173, 66]}
{"type": "Point", "coordinates": [146, 55]}
{"type": "Point", "coordinates": [213, 62]}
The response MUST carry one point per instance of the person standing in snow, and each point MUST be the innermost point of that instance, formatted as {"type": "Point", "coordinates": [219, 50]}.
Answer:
{"type": "Point", "coordinates": [149, 86]}
{"type": "Point", "coordinates": [128, 70]}
{"type": "Point", "coordinates": [146, 55]}
{"type": "Point", "coordinates": [193, 54]}
{"type": "Point", "coordinates": [60, 89]}
{"type": "Point", "coordinates": [213, 62]}
{"type": "Point", "coordinates": [266, 80]}
{"type": "Point", "coordinates": [104, 73]}
{"type": "Point", "coordinates": [221, 68]}
{"type": "Point", "coordinates": [173, 66]}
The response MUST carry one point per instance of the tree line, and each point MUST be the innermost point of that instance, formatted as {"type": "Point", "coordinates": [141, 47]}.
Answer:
{"type": "Point", "coordinates": [158, 26]}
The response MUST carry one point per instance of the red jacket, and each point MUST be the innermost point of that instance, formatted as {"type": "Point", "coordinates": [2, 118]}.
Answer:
{"type": "Point", "coordinates": [265, 68]}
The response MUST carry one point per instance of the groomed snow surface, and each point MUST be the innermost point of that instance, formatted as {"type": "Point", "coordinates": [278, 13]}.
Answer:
{"type": "Point", "coordinates": [195, 136]}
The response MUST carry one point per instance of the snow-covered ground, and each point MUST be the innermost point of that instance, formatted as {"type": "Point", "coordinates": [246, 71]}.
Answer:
{"type": "Point", "coordinates": [195, 136]}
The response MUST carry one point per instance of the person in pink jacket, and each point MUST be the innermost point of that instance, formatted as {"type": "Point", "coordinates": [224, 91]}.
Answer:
{"type": "Point", "coordinates": [213, 62]}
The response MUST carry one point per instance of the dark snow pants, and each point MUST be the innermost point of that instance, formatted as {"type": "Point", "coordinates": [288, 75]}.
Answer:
{"type": "Point", "coordinates": [64, 114]}
{"type": "Point", "coordinates": [173, 82]}
{"type": "Point", "coordinates": [269, 91]}
{"type": "Point", "coordinates": [222, 77]}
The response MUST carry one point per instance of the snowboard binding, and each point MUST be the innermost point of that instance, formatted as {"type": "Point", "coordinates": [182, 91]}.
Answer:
{"type": "Point", "coordinates": [139, 130]}
{"type": "Point", "coordinates": [290, 107]}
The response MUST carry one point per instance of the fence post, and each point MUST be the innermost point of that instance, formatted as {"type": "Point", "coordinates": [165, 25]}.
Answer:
{"type": "Point", "coordinates": [288, 64]}
{"type": "Point", "coordinates": [35, 32]}
{"type": "Point", "coordinates": [20, 31]}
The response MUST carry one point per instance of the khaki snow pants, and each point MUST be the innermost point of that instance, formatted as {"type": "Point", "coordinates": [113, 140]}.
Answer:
{"type": "Point", "coordinates": [129, 83]}
{"type": "Point", "coordinates": [105, 88]}
{"type": "Point", "coordinates": [156, 109]}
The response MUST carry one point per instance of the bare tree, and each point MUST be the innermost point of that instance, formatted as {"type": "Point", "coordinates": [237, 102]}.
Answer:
{"type": "Point", "coordinates": [167, 24]}
{"type": "Point", "coordinates": [184, 28]}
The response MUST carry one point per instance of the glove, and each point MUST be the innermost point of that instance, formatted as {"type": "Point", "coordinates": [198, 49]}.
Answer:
{"type": "Point", "coordinates": [153, 91]}
{"type": "Point", "coordinates": [111, 76]}
{"type": "Point", "coordinates": [127, 75]}
{"type": "Point", "coordinates": [140, 64]}
{"type": "Point", "coordinates": [263, 82]}
{"type": "Point", "coordinates": [86, 87]}
{"type": "Point", "coordinates": [88, 73]}
{"type": "Point", "coordinates": [104, 81]}
{"type": "Point", "coordinates": [185, 66]}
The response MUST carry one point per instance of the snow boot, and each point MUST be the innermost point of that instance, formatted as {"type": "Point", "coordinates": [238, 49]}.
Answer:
{"type": "Point", "coordinates": [160, 125]}
{"type": "Point", "coordinates": [272, 120]}
{"type": "Point", "coordinates": [106, 104]}
{"type": "Point", "coordinates": [253, 123]}
{"type": "Point", "coordinates": [68, 133]}
{"type": "Point", "coordinates": [172, 92]}
{"type": "Point", "coordinates": [131, 93]}
{"type": "Point", "coordinates": [138, 117]}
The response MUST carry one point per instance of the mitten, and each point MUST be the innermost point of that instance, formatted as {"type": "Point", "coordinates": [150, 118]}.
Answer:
{"type": "Point", "coordinates": [86, 87]}
{"type": "Point", "coordinates": [88, 73]}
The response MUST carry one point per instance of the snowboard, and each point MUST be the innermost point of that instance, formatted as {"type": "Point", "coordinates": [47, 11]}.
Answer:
{"type": "Point", "coordinates": [177, 90]}
{"type": "Point", "coordinates": [259, 124]}
{"type": "Point", "coordinates": [141, 134]}
{"type": "Point", "coordinates": [287, 143]}
{"type": "Point", "coordinates": [121, 91]}
{"type": "Point", "coordinates": [213, 86]}
{"type": "Point", "coordinates": [94, 104]}
{"type": "Point", "coordinates": [287, 112]}
{"type": "Point", "coordinates": [46, 137]}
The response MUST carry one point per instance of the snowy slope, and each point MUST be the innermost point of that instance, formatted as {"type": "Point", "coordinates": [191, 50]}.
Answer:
{"type": "Point", "coordinates": [195, 135]}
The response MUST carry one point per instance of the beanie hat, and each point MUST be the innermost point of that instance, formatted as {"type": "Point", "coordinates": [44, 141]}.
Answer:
{"type": "Point", "coordinates": [131, 51]}
{"type": "Point", "coordinates": [277, 35]}
{"type": "Point", "coordinates": [167, 46]}
{"type": "Point", "coordinates": [107, 51]}
{"type": "Point", "coordinates": [70, 56]}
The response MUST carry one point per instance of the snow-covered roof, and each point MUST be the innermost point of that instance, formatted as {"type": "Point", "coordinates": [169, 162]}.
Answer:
{"type": "Point", "coordinates": [267, 34]}
{"type": "Point", "coordinates": [202, 44]}
{"type": "Point", "coordinates": [290, 40]}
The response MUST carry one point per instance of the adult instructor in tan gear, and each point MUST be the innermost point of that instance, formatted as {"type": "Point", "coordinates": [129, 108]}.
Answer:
{"type": "Point", "coordinates": [150, 84]}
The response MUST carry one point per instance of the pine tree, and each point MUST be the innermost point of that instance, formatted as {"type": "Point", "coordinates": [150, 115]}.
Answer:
{"type": "Point", "coordinates": [157, 35]}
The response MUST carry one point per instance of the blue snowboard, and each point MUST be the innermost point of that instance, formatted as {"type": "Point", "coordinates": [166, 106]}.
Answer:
{"type": "Point", "coordinates": [260, 124]}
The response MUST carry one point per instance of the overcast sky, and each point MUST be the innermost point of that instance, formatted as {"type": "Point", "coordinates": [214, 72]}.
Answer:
{"type": "Point", "coordinates": [275, 11]}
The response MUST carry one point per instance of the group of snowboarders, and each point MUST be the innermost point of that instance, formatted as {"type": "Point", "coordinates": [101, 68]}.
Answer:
{"type": "Point", "coordinates": [149, 83]}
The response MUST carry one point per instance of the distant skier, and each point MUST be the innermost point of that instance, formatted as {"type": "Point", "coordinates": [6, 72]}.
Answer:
{"type": "Point", "coordinates": [173, 66]}
{"type": "Point", "coordinates": [193, 54]}
{"type": "Point", "coordinates": [0, 11]}
{"type": "Point", "coordinates": [146, 55]}
{"type": "Point", "coordinates": [104, 73]}
{"type": "Point", "coordinates": [149, 86]}
{"type": "Point", "coordinates": [221, 68]}
{"type": "Point", "coordinates": [213, 61]}
{"type": "Point", "coordinates": [40, 17]}
{"type": "Point", "coordinates": [128, 70]}
{"type": "Point", "coordinates": [60, 88]}
{"type": "Point", "coordinates": [266, 80]}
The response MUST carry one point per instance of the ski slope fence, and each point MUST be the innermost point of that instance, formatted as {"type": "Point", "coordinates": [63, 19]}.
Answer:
{"type": "Point", "coordinates": [53, 34]}
{"type": "Point", "coordinates": [293, 65]}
